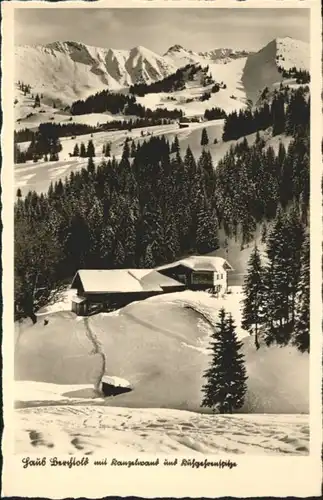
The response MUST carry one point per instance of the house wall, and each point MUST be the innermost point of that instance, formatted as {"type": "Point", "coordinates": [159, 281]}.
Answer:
{"type": "Point", "coordinates": [179, 273]}
{"type": "Point", "coordinates": [80, 309]}
{"type": "Point", "coordinates": [172, 289]}
{"type": "Point", "coordinates": [118, 299]}
{"type": "Point", "coordinates": [201, 280]}
{"type": "Point", "coordinates": [197, 280]}
{"type": "Point", "coordinates": [221, 279]}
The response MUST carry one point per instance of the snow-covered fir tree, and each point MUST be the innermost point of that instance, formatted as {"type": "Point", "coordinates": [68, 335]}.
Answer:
{"type": "Point", "coordinates": [90, 151]}
{"type": "Point", "coordinates": [175, 145]}
{"type": "Point", "coordinates": [226, 379]}
{"type": "Point", "coordinates": [91, 166]}
{"type": "Point", "coordinates": [204, 138]}
{"type": "Point", "coordinates": [254, 295]}
{"type": "Point", "coordinates": [301, 336]}
{"type": "Point", "coordinates": [82, 150]}
{"type": "Point", "coordinates": [76, 150]}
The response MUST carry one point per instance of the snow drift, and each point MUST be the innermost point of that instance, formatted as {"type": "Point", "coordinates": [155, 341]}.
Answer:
{"type": "Point", "coordinates": [160, 348]}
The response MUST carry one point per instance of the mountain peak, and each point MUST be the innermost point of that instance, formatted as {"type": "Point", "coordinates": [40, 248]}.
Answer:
{"type": "Point", "coordinates": [139, 48]}
{"type": "Point", "coordinates": [174, 48]}
{"type": "Point", "coordinates": [143, 51]}
{"type": "Point", "coordinates": [63, 46]}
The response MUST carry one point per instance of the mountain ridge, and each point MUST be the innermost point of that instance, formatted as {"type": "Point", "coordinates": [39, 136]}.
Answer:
{"type": "Point", "coordinates": [66, 71]}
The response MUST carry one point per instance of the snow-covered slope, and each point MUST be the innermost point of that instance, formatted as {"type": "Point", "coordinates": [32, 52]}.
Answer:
{"type": "Point", "coordinates": [68, 70]}
{"type": "Point", "coordinates": [83, 430]}
{"type": "Point", "coordinates": [264, 68]}
{"type": "Point", "coordinates": [180, 56]}
{"type": "Point", "coordinates": [160, 346]}
{"type": "Point", "coordinates": [231, 96]}
{"type": "Point", "coordinates": [37, 176]}
{"type": "Point", "coordinates": [292, 53]}
{"type": "Point", "coordinates": [224, 55]}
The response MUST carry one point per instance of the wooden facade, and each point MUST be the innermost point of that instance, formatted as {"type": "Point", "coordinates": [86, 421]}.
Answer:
{"type": "Point", "coordinates": [107, 290]}
{"type": "Point", "coordinates": [80, 306]}
{"type": "Point", "coordinates": [192, 279]}
{"type": "Point", "coordinates": [200, 273]}
{"type": "Point", "coordinates": [93, 295]}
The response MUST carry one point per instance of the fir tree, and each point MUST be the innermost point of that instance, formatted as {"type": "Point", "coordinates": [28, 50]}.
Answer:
{"type": "Point", "coordinates": [226, 384]}
{"type": "Point", "coordinates": [175, 145]}
{"type": "Point", "coordinates": [90, 166]}
{"type": "Point", "coordinates": [90, 152]}
{"type": "Point", "coordinates": [207, 229]}
{"type": "Point", "coordinates": [82, 150]}
{"type": "Point", "coordinates": [148, 261]}
{"type": "Point", "coordinates": [126, 151]}
{"type": "Point", "coordinates": [295, 238]}
{"type": "Point", "coordinates": [76, 151]}
{"type": "Point", "coordinates": [254, 296]}
{"type": "Point", "coordinates": [19, 194]}
{"type": "Point", "coordinates": [278, 115]}
{"type": "Point", "coordinates": [107, 152]}
{"type": "Point", "coordinates": [264, 233]}
{"type": "Point", "coordinates": [301, 336]}
{"type": "Point", "coordinates": [37, 101]}
{"type": "Point", "coordinates": [204, 138]}
{"type": "Point", "coordinates": [276, 308]}
{"type": "Point", "coordinates": [119, 256]}
{"type": "Point", "coordinates": [282, 275]}
{"type": "Point", "coordinates": [133, 150]}
{"type": "Point", "coordinates": [53, 156]}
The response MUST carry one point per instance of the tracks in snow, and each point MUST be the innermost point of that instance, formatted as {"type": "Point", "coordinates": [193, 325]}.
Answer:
{"type": "Point", "coordinates": [97, 349]}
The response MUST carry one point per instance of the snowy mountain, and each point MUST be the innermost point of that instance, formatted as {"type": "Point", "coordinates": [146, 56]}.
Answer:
{"type": "Point", "coordinates": [180, 56]}
{"type": "Point", "coordinates": [264, 68]}
{"type": "Point", "coordinates": [224, 54]}
{"type": "Point", "coordinates": [66, 71]}
{"type": "Point", "coordinates": [71, 70]}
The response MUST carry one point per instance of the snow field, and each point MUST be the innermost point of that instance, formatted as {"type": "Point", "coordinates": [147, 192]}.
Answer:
{"type": "Point", "coordinates": [176, 325]}
{"type": "Point", "coordinates": [106, 431]}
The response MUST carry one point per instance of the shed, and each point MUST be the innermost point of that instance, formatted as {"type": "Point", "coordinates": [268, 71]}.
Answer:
{"type": "Point", "coordinates": [80, 306]}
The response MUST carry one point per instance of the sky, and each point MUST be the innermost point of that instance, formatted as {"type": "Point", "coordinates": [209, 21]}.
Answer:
{"type": "Point", "coordinates": [158, 29]}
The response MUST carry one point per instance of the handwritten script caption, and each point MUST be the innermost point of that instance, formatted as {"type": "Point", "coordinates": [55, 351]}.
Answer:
{"type": "Point", "coordinates": [114, 462]}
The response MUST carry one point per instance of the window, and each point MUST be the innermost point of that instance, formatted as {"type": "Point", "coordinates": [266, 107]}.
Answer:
{"type": "Point", "coordinates": [202, 278]}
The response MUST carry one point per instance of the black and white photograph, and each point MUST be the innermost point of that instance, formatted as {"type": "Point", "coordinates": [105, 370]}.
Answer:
{"type": "Point", "coordinates": [161, 232]}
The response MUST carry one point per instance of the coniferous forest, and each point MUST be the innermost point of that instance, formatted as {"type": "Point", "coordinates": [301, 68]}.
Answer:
{"type": "Point", "coordinates": [288, 113]}
{"type": "Point", "coordinates": [73, 129]}
{"type": "Point", "coordinates": [276, 302]}
{"type": "Point", "coordinates": [119, 104]}
{"type": "Point", "coordinates": [156, 204]}
{"type": "Point", "coordinates": [149, 208]}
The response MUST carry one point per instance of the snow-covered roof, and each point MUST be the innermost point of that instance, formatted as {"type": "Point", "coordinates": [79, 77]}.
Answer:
{"type": "Point", "coordinates": [154, 278]}
{"type": "Point", "coordinates": [121, 280]}
{"type": "Point", "coordinates": [78, 300]}
{"type": "Point", "coordinates": [201, 263]}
